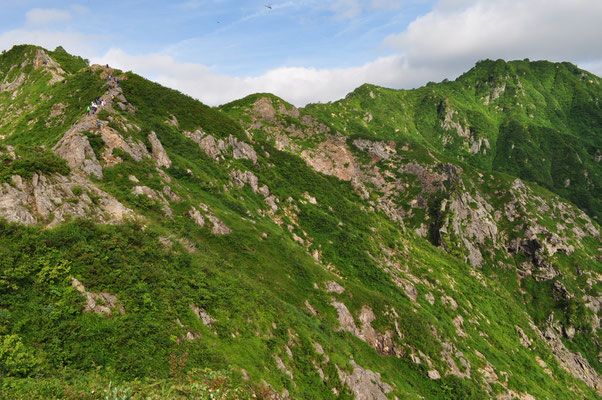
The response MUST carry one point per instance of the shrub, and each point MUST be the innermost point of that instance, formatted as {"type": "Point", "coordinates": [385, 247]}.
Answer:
{"type": "Point", "coordinates": [15, 358]}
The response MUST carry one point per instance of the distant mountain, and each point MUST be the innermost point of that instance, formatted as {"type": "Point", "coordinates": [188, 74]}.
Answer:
{"type": "Point", "coordinates": [539, 121]}
{"type": "Point", "coordinates": [438, 243]}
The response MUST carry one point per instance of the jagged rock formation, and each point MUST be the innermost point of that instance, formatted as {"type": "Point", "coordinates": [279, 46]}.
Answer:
{"type": "Point", "coordinates": [159, 153]}
{"type": "Point", "coordinates": [51, 200]}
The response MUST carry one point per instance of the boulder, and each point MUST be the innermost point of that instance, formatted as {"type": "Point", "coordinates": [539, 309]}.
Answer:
{"type": "Point", "coordinates": [159, 154]}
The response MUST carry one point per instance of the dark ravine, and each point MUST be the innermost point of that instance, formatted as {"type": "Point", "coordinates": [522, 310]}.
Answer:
{"type": "Point", "coordinates": [394, 244]}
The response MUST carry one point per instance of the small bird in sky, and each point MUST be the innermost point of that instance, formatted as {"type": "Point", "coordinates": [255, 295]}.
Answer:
{"type": "Point", "coordinates": [270, 7]}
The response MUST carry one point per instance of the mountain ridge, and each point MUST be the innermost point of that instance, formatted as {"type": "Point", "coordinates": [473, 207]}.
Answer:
{"type": "Point", "coordinates": [305, 260]}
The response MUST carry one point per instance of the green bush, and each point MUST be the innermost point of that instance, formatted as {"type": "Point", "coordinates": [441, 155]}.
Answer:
{"type": "Point", "coordinates": [33, 160]}
{"type": "Point", "coordinates": [15, 358]}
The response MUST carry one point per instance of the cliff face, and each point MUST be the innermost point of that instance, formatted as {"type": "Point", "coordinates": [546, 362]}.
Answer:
{"type": "Point", "coordinates": [156, 237]}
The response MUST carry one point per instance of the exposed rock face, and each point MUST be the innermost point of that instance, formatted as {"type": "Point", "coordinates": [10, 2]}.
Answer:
{"type": "Point", "coordinates": [264, 109]}
{"type": "Point", "coordinates": [197, 217]}
{"type": "Point", "coordinates": [242, 150]}
{"type": "Point", "coordinates": [153, 195]}
{"type": "Point", "coordinates": [365, 384]}
{"type": "Point", "coordinates": [434, 374]}
{"type": "Point", "coordinates": [332, 157]}
{"type": "Point", "coordinates": [202, 315]}
{"type": "Point", "coordinates": [240, 178]}
{"type": "Point", "coordinates": [99, 303]}
{"type": "Point", "coordinates": [219, 228]}
{"type": "Point", "coordinates": [113, 140]}
{"type": "Point", "coordinates": [448, 122]}
{"type": "Point", "coordinates": [217, 149]}
{"type": "Point", "coordinates": [145, 191]}
{"type": "Point", "coordinates": [43, 60]}
{"type": "Point", "coordinates": [12, 86]}
{"type": "Point", "coordinates": [334, 287]}
{"type": "Point", "coordinates": [574, 363]}
{"type": "Point", "coordinates": [472, 221]}
{"type": "Point", "coordinates": [383, 343]}
{"type": "Point", "coordinates": [50, 200]}
{"type": "Point", "coordinates": [448, 353]}
{"type": "Point", "coordinates": [377, 149]}
{"type": "Point", "coordinates": [75, 148]}
{"type": "Point", "coordinates": [282, 367]}
{"type": "Point", "coordinates": [159, 154]}
{"type": "Point", "coordinates": [173, 121]}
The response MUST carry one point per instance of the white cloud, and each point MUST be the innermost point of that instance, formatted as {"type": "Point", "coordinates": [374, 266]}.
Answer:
{"type": "Point", "coordinates": [458, 32]}
{"type": "Point", "coordinates": [296, 85]}
{"type": "Point", "coordinates": [44, 17]}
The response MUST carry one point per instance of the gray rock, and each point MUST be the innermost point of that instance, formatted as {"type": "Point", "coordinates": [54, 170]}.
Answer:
{"type": "Point", "coordinates": [334, 287]}
{"type": "Point", "coordinates": [49, 200]}
{"type": "Point", "coordinates": [202, 315]}
{"type": "Point", "coordinates": [99, 303]}
{"type": "Point", "coordinates": [197, 217]}
{"type": "Point", "coordinates": [75, 148]}
{"type": "Point", "coordinates": [219, 228]}
{"type": "Point", "coordinates": [365, 384]}
{"type": "Point", "coordinates": [159, 154]}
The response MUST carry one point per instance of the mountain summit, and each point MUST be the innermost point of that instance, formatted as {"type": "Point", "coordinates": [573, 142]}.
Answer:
{"type": "Point", "coordinates": [438, 243]}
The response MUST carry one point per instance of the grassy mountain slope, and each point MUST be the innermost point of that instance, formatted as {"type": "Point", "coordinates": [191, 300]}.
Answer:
{"type": "Point", "coordinates": [181, 240]}
{"type": "Point", "coordinates": [535, 120]}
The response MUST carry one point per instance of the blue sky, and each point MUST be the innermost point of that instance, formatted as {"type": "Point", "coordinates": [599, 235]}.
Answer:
{"type": "Point", "coordinates": [305, 50]}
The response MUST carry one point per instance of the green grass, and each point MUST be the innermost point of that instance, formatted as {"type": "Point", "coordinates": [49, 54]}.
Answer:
{"type": "Point", "coordinates": [255, 281]}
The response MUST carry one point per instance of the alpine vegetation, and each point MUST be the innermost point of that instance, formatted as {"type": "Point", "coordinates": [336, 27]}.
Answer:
{"type": "Point", "coordinates": [436, 243]}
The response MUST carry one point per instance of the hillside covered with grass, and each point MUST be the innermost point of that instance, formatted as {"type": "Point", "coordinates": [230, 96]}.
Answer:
{"type": "Point", "coordinates": [256, 250]}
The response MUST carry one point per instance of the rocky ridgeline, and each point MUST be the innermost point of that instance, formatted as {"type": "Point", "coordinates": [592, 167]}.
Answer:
{"type": "Point", "coordinates": [415, 199]}
{"type": "Point", "coordinates": [467, 214]}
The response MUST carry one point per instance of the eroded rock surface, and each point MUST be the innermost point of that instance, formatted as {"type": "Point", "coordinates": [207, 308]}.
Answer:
{"type": "Point", "coordinates": [51, 200]}
{"type": "Point", "coordinates": [99, 303]}
{"type": "Point", "coordinates": [365, 384]}
{"type": "Point", "coordinates": [159, 154]}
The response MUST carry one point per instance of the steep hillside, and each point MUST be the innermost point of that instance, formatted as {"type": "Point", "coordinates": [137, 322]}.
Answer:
{"type": "Point", "coordinates": [180, 251]}
{"type": "Point", "coordinates": [539, 121]}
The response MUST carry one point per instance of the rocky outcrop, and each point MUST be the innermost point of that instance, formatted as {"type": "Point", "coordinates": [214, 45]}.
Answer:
{"type": "Point", "coordinates": [43, 60]}
{"type": "Point", "coordinates": [377, 149]}
{"type": "Point", "coordinates": [365, 384]}
{"type": "Point", "coordinates": [51, 200]}
{"type": "Point", "coordinates": [159, 154]}
{"type": "Point", "coordinates": [114, 140]}
{"type": "Point", "coordinates": [469, 218]}
{"type": "Point", "coordinates": [219, 228]}
{"type": "Point", "coordinates": [197, 217]}
{"type": "Point", "coordinates": [382, 343]}
{"type": "Point", "coordinates": [99, 303]}
{"type": "Point", "coordinates": [202, 315]}
{"type": "Point", "coordinates": [12, 86]}
{"type": "Point", "coordinates": [574, 363]}
{"type": "Point", "coordinates": [75, 148]}
{"type": "Point", "coordinates": [447, 114]}
{"type": "Point", "coordinates": [241, 178]}
{"type": "Point", "coordinates": [334, 287]}
{"type": "Point", "coordinates": [218, 149]}
{"type": "Point", "coordinates": [264, 110]}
